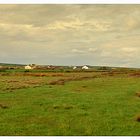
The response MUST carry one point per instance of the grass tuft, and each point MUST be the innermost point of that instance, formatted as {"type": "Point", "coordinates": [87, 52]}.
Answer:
{"type": "Point", "coordinates": [56, 107]}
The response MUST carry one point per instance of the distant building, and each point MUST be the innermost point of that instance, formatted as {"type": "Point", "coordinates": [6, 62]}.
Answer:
{"type": "Point", "coordinates": [28, 67]}
{"type": "Point", "coordinates": [85, 67]}
{"type": "Point", "coordinates": [74, 68]}
{"type": "Point", "coordinates": [33, 66]}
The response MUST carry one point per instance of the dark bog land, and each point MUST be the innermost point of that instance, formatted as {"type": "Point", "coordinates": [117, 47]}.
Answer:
{"type": "Point", "coordinates": [81, 103]}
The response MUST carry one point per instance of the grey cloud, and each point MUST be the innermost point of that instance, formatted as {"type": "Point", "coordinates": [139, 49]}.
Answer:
{"type": "Point", "coordinates": [70, 34]}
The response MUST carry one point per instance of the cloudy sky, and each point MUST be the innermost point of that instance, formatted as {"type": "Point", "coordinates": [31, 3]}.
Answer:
{"type": "Point", "coordinates": [70, 34]}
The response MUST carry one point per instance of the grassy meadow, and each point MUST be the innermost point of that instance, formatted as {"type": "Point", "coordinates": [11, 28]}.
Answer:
{"type": "Point", "coordinates": [70, 103]}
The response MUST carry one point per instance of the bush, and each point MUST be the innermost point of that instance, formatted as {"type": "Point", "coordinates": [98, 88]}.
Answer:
{"type": "Point", "coordinates": [2, 70]}
{"type": "Point", "coordinates": [27, 71]}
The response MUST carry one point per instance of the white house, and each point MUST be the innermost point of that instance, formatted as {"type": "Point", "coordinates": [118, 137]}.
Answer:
{"type": "Point", "coordinates": [85, 67]}
{"type": "Point", "coordinates": [74, 68]}
{"type": "Point", "coordinates": [28, 67]}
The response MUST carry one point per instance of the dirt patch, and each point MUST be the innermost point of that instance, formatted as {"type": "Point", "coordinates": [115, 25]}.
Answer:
{"type": "Point", "coordinates": [136, 74]}
{"type": "Point", "coordinates": [3, 106]}
{"type": "Point", "coordinates": [56, 107]}
{"type": "Point", "coordinates": [112, 73]}
{"type": "Point", "coordinates": [12, 81]}
{"type": "Point", "coordinates": [11, 84]}
{"type": "Point", "coordinates": [17, 87]}
{"type": "Point", "coordinates": [57, 82]}
{"type": "Point", "coordinates": [63, 81]}
{"type": "Point", "coordinates": [56, 75]}
{"type": "Point", "coordinates": [66, 107]}
{"type": "Point", "coordinates": [5, 74]}
{"type": "Point", "coordinates": [33, 82]}
{"type": "Point", "coordinates": [44, 74]}
{"type": "Point", "coordinates": [138, 94]}
{"type": "Point", "coordinates": [35, 74]}
{"type": "Point", "coordinates": [138, 118]}
{"type": "Point", "coordinates": [84, 86]}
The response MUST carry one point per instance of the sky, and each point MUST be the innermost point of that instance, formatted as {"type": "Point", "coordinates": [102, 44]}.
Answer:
{"type": "Point", "coordinates": [86, 34]}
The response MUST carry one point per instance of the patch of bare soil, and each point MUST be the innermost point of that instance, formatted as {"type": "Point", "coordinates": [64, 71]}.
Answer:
{"type": "Point", "coordinates": [16, 87]}
{"type": "Point", "coordinates": [138, 118]}
{"type": "Point", "coordinates": [3, 106]}
{"type": "Point", "coordinates": [66, 107]}
{"type": "Point", "coordinates": [44, 74]}
{"type": "Point", "coordinates": [138, 94]}
{"type": "Point", "coordinates": [84, 86]}
{"type": "Point", "coordinates": [136, 74]}
{"type": "Point", "coordinates": [12, 85]}
{"type": "Point", "coordinates": [57, 82]}
{"type": "Point", "coordinates": [63, 81]}
{"type": "Point", "coordinates": [12, 81]}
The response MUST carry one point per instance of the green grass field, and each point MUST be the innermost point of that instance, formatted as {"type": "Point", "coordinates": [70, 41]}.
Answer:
{"type": "Point", "coordinates": [61, 104]}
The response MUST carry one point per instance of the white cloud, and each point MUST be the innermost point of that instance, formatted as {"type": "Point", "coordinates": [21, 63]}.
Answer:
{"type": "Point", "coordinates": [92, 49]}
{"type": "Point", "coordinates": [129, 49]}
{"type": "Point", "coordinates": [78, 51]}
{"type": "Point", "coordinates": [93, 25]}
